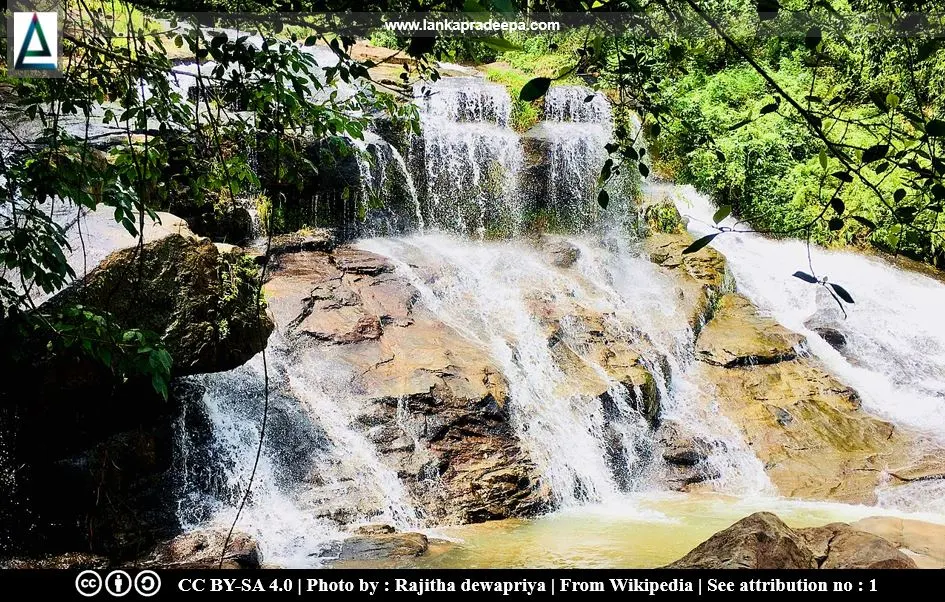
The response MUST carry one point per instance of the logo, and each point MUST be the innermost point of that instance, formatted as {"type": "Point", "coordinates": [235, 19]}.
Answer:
{"type": "Point", "coordinates": [36, 41]}
{"type": "Point", "coordinates": [147, 583]}
{"type": "Point", "coordinates": [88, 583]}
{"type": "Point", "coordinates": [118, 583]}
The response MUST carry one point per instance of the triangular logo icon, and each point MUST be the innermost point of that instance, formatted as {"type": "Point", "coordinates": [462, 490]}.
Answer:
{"type": "Point", "coordinates": [35, 28]}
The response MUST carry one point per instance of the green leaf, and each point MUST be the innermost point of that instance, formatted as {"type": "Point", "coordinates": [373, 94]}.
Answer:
{"type": "Point", "coordinates": [603, 199]}
{"type": "Point", "coordinates": [892, 101]}
{"type": "Point", "coordinates": [699, 244]}
{"type": "Point", "coordinates": [534, 89]}
{"type": "Point", "coordinates": [605, 172]}
{"type": "Point", "coordinates": [823, 158]}
{"type": "Point", "coordinates": [722, 212]}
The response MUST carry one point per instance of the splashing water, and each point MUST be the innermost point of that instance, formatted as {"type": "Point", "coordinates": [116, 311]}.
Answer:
{"type": "Point", "coordinates": [896, 314]}
{"type": "Point", "coordinates": [314, 463]}
{"type": "Point", "coordinates": [488, 292]}
{"type": "Point", "coordinates": [578, 104]}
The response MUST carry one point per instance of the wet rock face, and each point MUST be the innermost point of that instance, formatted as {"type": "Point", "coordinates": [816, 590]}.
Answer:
{"type": "Point", "coordinates": [433, 404]}
{"type": "Point", "coordinates": [203, 549]}
{"type": "Point", "coordinates": [685, 455]}
{"type": "Point", "coordinates": [805, 426]}
{"type": "Point", "coordinates": [372, 545]}
{"type": "Point", "coordinates": [763, 541]}
{"type": "Point", "coordinates": [738, 336]}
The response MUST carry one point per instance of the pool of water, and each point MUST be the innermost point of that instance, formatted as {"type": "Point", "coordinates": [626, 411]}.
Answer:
{"type": "Point", "coordinates": [645, 531]}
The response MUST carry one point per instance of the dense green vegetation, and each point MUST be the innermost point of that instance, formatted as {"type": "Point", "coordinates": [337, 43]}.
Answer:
{"type": "Point", "coordinates": [802, 120]}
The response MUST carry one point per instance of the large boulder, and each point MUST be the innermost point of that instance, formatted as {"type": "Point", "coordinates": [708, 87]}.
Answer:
{"type": "Point", "coordinates": [758, 541]}
{"type": "Point", "coordinates": [763, 541]}
{"type": "Point", "coordinates": [200, 299]}
{"type": "Point", "coordinates": [382, 542]}
{"type": "Point", "coordinates": [108, 444]}
{"type": "Point", "coordinates": [840, 546]}
{"type": "Point", "coordinates": [203, 549]}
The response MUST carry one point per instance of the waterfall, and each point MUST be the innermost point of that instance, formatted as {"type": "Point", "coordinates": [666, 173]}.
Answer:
{"type": "Point", "coordinates": [488, 291]}
{"type": "Point", "coordinates": [577, 104]}
{"type": "Point", "coordinates": [315, 467]}
{"type": "Point", "coordinates": [470, 158]}
{"type": "Point", "coordinates": [569, 148]}
{"type": "Point", "coordinates": [896, 314]}
{"type": "Point", "coordinates": [387, 191]}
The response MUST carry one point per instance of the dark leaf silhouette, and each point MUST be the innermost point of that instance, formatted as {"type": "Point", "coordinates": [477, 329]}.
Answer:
{"type": "Point", "coordinates": [805, 277]}
{"type": "Point", "coordinates": [835, 224]}
{"type": "Point", "coordinates": [589, 98]}
{"type": "Point", "coordinates": [866, 222]}
{"type": "Point", "coordinates": [769, 108]}
{"type": "Point", "coordinates": [843, 176]}
{"type": "Point", "coordinates": [644, 170]}
{"type": "Point", "coordinates": [875, 153]}
{"type": "Point", "coordinates": [842, 292]}
{"type": "Point", "coordinates": [768, 9]}
{"type": "Point", "coordinates": [741, 123]}
{"type": "Point", "coordinates": [699, 244]}
{"type": "Point", "coordinates": [935, 128]}
{"type": "Point", "coordinates": [603, 199]}
{"type": "Point", "coordinates": [838, 206]}
{"type": "Point", "coordinates": [534, 89]}
{"type": "Point", "coordinates": [899, 195]}
{"type": "Point", "coordinates": [813, 37]}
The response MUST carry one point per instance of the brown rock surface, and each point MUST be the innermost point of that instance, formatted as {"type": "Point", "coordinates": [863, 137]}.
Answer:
{"type": "Point", "coordinates": [737, 335]}
{"type": "Point", "coordinates": [203, 549]}
{"type": "Point", "coordinates": [758, 541]}
{"type": "Point", "coordinates": [923, 542]}
{"type": "Point", "coordinates": [805, 426]}
{"type": "Point", "coordinates": [433, 403]}
{"type": "Point", "coordinates": [763, 541]}
{"type": "Point", "coordinates": [839, 546]}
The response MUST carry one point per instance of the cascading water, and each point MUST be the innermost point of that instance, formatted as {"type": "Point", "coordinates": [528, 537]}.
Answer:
{"type": "Point", "coordinates": [314, 468]}
{"type": "Point", "coordinates": [486, 291]}
{"type": "Point", "coordinates": [890, 345]}
{"type": "Point", "coordinates": [388, 193]}
{"type": "Point", "coordinates": [470, 159]}
{"type": "Point", "coordinates": [589, 444]}
{"type": "Point", "coordinates": [570, 148]}
{"type": "Point", "coordinates": [895, 314]}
